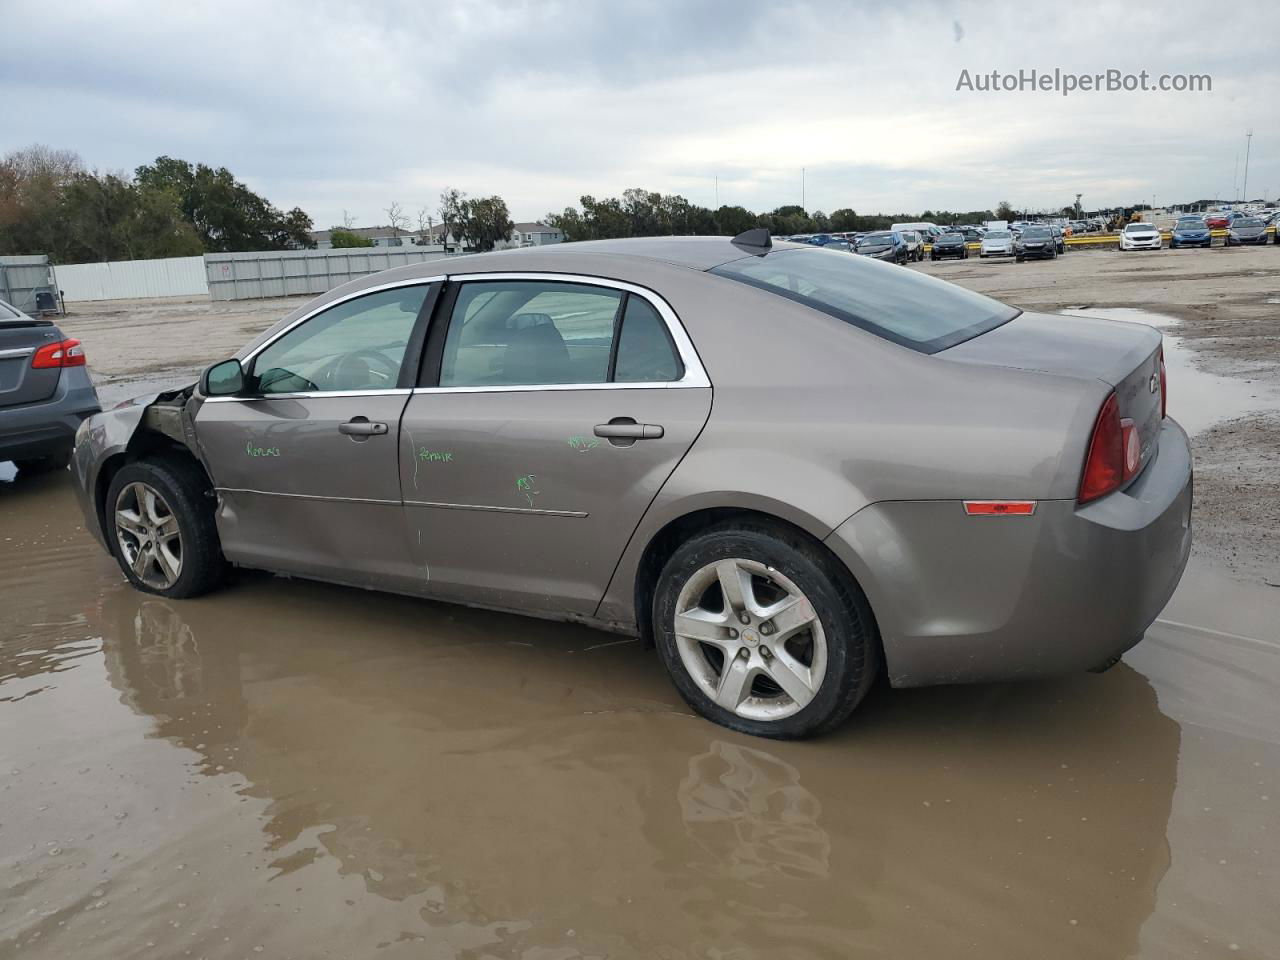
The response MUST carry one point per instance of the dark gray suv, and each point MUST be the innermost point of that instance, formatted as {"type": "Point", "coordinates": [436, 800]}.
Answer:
{"type": "Point", "coordinates": [45, 391]}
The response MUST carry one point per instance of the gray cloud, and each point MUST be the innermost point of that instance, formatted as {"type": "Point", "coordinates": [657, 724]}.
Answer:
{"type": "Point", "coordinates": [334, 106]}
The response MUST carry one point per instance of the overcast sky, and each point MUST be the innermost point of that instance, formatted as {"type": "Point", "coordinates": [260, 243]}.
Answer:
{"type": "Point", "coordinates": [332, 106]}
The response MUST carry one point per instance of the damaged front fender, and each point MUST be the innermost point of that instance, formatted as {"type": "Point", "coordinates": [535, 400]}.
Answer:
{"type": "Point", "coordinates": [108, 440]}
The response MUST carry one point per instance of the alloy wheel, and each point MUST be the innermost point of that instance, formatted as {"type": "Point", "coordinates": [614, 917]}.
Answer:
{"type": "Point", "coordinates": [750, 639]}
{"type": "Point", "coordinates": [148, 534]}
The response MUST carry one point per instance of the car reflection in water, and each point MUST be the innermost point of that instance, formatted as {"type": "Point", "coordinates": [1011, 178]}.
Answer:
{"type": "Point", "coordinates": [505, 810]}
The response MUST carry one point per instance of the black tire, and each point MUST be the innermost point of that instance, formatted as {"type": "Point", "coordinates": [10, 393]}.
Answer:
{"type": "Point", "coordinates": [45, 464]}
{"type": "Point", "coordinates": [853, 645]}
{"type": "Point", "coordinates": [185, 490]}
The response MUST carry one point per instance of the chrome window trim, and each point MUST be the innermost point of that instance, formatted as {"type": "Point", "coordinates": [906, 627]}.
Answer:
{"type": "Point", "coordinates": [313, 395]}
{"type": "Point", "coordinates": [695, 375]}
{"type": "Point", "coordinates": [416, 281]}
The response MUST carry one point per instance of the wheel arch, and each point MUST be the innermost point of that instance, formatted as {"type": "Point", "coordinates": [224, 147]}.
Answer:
{"type": "Point", "coordinates": [143, 445]}
{"type": "Point", "coordinates": [667, 539]}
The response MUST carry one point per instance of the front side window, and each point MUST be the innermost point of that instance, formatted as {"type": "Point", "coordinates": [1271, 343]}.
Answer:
{"type": "Point", "coordinates": [358, 344]}
{"type": "Point", "coordinates": [541, 333]}
{"type": "Point", "coordinates": [902, 306]}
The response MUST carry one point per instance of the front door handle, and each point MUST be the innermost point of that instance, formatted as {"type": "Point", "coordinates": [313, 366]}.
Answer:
{"type": "Point", "coordinates": [624, 428]}
{"type": "Point", "coordinates": [361, 427]}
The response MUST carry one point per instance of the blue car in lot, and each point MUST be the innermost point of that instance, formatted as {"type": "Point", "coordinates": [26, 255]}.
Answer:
{"type": "Point", "coordinates": [1190, 232]}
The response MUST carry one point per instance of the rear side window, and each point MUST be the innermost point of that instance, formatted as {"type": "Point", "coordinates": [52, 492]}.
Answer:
{"type": "Point", "coordinates": [900, 305]}
{"type": "Point", "coordinates": [505, 333]}
{"type": "Point", "coordinates": [645, 351]}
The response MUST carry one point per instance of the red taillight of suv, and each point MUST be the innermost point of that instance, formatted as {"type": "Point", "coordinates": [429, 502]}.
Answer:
{"type": "Point", "coordinates": [64, 353]}
{"type": "Point", "coordinates": [1115, 453]}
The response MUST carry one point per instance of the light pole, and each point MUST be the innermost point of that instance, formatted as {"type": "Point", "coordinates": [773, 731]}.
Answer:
{"type": "Point", "coordinates": [1248, 142]}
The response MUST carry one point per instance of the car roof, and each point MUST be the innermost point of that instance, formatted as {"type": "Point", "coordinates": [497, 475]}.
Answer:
{"type": "Point", "coordinates": [696, 253]}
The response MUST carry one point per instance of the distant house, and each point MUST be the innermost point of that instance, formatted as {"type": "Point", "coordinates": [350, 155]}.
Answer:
{"type": "Point", "coordinates": [522, 235]}
{"type": "Point", "coordinates": [534, 235]}
{"type": "Point", "coordinates": [381, 236]}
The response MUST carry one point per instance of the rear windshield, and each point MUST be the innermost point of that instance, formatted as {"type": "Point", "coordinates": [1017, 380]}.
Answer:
{"type": "Point", "coordinates": [903, 306]}
{"type": "Point", "coordinates": [5, 312]}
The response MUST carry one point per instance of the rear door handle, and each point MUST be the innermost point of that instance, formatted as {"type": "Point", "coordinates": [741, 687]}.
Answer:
{"type": "Point", "coordinates": [629, 430]}
{"type": "Point", "coordinates": [360, 427]}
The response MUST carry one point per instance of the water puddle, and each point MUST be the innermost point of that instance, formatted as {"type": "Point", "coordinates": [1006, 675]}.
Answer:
{"type": "Point", "coordinates": [284, 768]}
{"type": "Point", "coordinates": [1197, 399]}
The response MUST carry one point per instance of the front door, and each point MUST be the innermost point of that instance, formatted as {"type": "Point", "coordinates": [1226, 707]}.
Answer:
{"type": "Point", "coordinates": [556, 412]}
{"type": "Point", "coordinates": [306, 462]}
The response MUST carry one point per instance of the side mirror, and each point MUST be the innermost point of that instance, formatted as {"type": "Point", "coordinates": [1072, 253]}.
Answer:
{"type": "Point", "coordinates": [224, 379]}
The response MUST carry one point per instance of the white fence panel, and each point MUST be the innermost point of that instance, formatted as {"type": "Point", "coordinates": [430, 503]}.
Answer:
{"type": "Point", "coordinates": [130, 279]}
{"type": "Point", "coordinates": [287, 273]}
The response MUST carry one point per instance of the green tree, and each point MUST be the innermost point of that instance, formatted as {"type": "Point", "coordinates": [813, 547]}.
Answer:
{"type": "Point", "coordinates": [340, 239]}
{"type": "Point", "coordinates": [486, 222]}
{"type": "Point", "coordinates": [732, 221]}
{"type": "Point", "coordinates": [109, 217]}
{"type": "Point", "coordinates": [1005, 211]}
{"type": "Point", "coordinates": [844, 220]}
{"type": "Point", "coordinates": [32, 183]}
{"type": "Point", "coordinates": [452, 213]}
{"type": "Point", "coordinates": [226, 214]}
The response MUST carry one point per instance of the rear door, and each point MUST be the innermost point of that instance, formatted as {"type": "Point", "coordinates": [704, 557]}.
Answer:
{"type": "Point", "coordinates": [20, 337]}
{"type": "Point", "coordinates": [305, 463]}
{"type": "Point", "coordinates": [554, 410]}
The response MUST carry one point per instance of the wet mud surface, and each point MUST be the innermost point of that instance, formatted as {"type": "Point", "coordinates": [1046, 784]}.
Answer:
{"type": "Point", "coordinates": [288, 769]}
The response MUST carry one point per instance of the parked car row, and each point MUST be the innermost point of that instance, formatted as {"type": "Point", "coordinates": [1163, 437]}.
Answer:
{"type": "Point", "coordinates": [1194, 230]}
{"type": "Point", "coordinates": [1022, 240]}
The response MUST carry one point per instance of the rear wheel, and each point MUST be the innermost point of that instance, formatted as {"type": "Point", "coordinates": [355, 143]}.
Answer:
{"type": "Point", "coordinates": [161, 528]}
{"type": "Point", "coordinates": [761, 633]}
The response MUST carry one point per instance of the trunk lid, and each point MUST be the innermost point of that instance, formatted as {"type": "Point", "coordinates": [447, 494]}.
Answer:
{"type": "Point", "coordinates": [20, 337]}
{"type": "Point", "coordinates": [1124, 355]}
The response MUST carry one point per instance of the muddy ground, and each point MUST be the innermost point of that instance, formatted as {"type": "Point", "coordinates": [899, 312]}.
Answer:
{"type": "Point", "coordinates": [286, 769]}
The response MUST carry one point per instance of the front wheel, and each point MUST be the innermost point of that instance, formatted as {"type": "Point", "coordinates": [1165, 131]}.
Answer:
{"type": "Point", "coordinates": [161, 528]}
{"type": "Point", "coordinates": [762, 633]}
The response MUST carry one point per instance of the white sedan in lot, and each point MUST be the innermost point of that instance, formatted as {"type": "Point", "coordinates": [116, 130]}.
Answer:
{"type": "Point", "coordinates": [997, 243]}
{"type": "Point", "coordinates": [1140, 236]}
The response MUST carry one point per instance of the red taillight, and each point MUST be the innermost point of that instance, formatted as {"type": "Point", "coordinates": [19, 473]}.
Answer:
{"type": "Point", "coordinates": [64, 353]}
{"type": "Point", "coordinates": [1164, 386]}
{"type": "Point", "coordinates": [1104, 464]}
